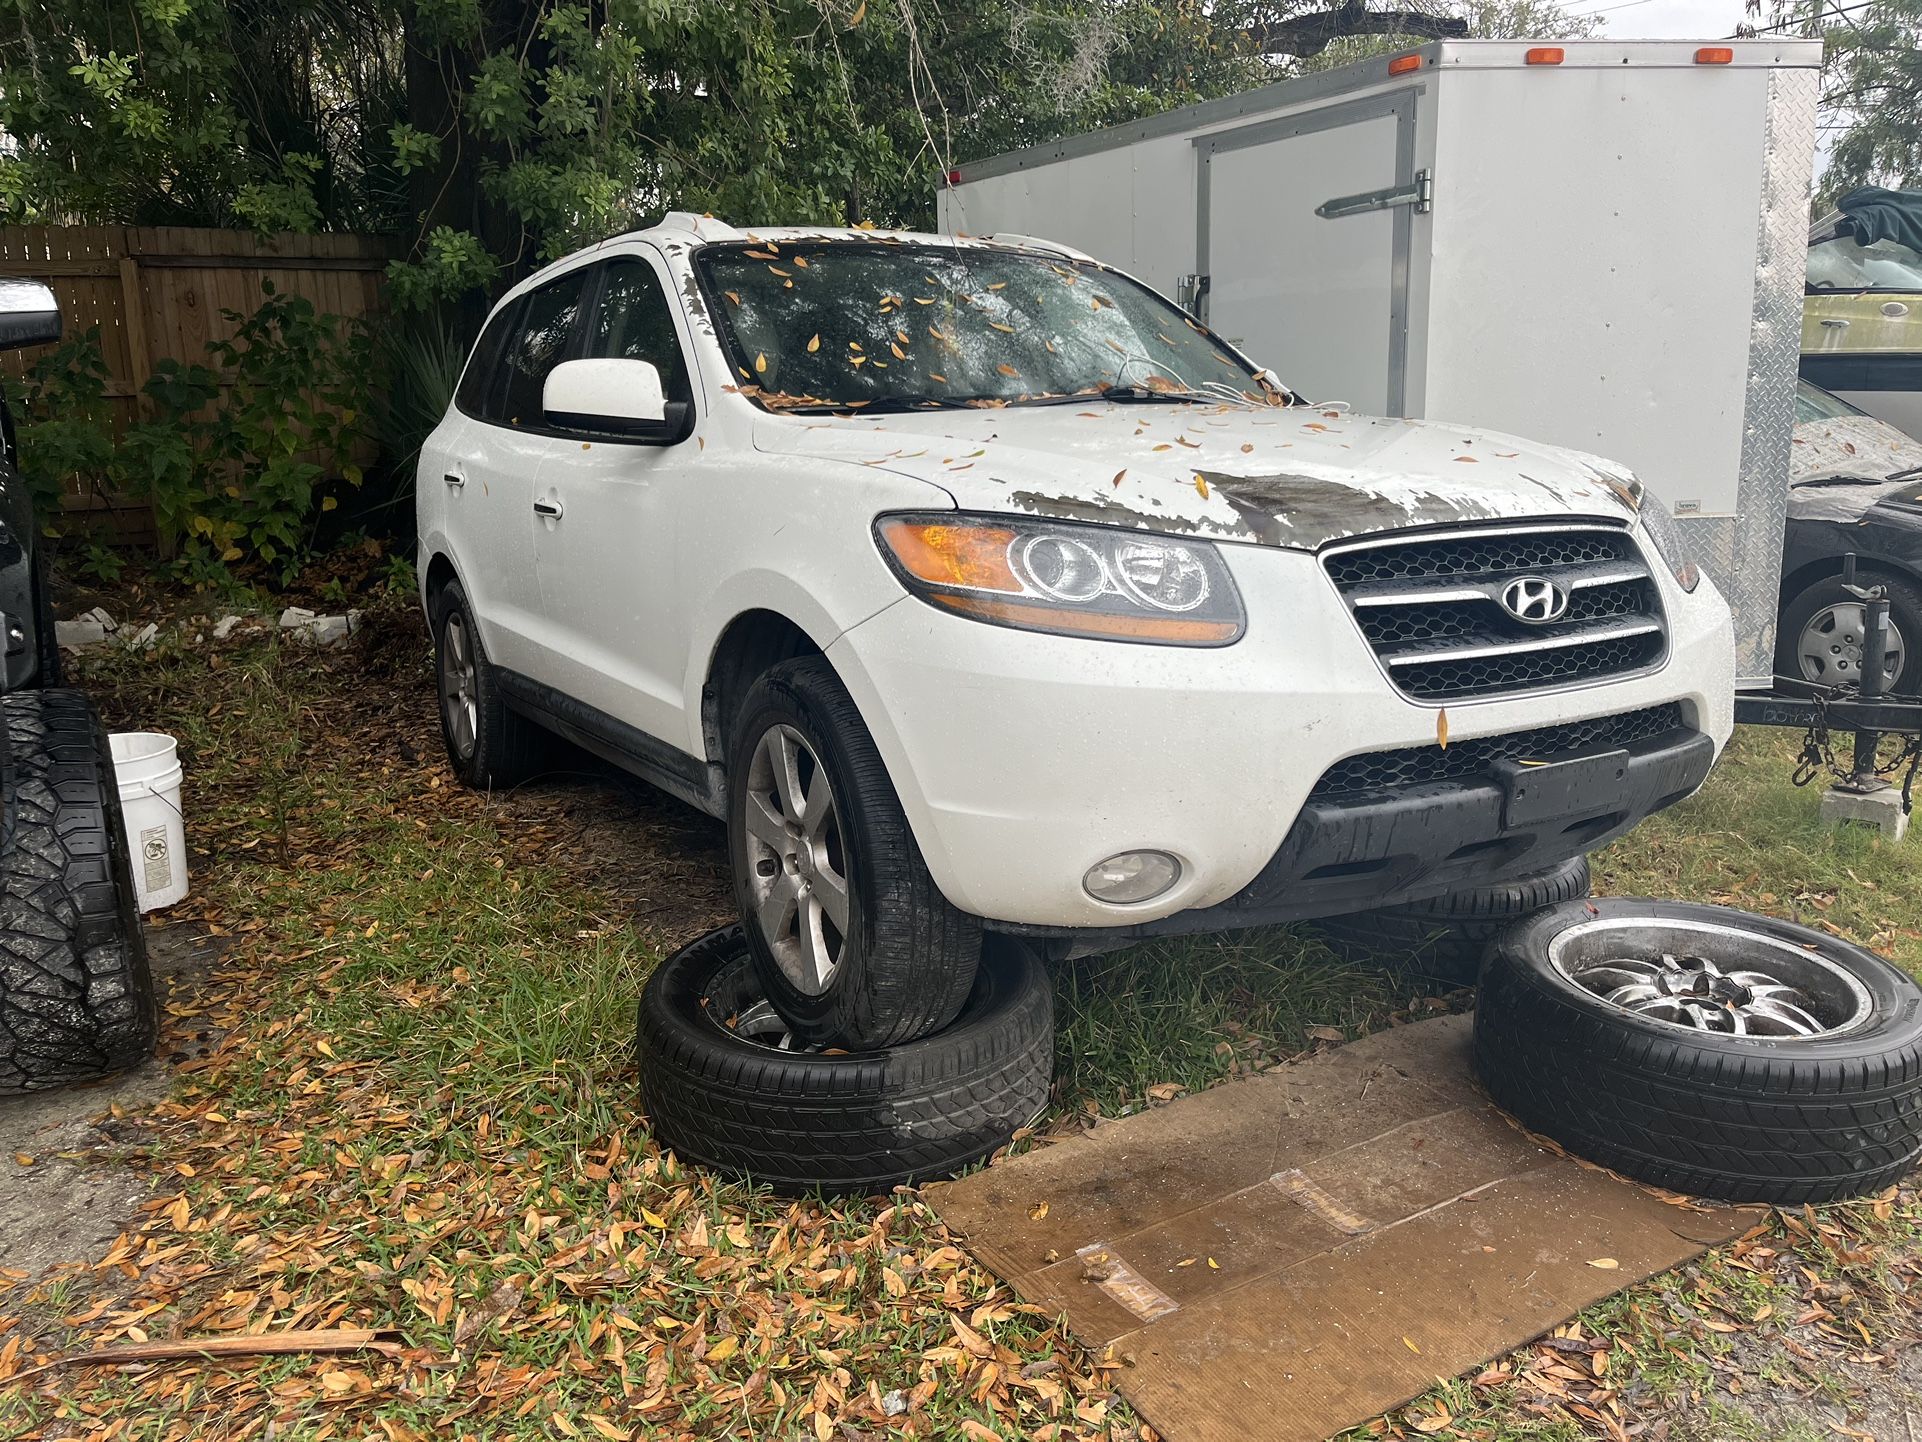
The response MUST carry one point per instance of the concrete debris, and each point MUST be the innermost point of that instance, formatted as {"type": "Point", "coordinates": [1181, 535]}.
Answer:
{"type": "Point", "coordinates": [224, 627]}
{"type": "Point", "coordinates": [88, 629]}
{"type": "Point", "coordinates": [318, 630]}
{"type": "Point", "coordinates": [143, 639]}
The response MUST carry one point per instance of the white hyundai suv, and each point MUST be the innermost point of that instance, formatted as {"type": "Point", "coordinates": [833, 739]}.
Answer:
{"type": "Point", "coordinates": [980, 588]}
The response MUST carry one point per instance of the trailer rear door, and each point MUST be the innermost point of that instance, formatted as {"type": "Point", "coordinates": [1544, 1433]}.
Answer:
{"type": "Point", "coordinates": [1322, 302]}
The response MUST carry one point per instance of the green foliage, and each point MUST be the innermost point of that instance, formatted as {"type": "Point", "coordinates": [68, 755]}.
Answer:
{"type": "Point", "coordinates": [235, 456]}
{"type": "Point", "coordinates": [1872, 89]}
{"type": "Point", "coordinates": [65, 423]}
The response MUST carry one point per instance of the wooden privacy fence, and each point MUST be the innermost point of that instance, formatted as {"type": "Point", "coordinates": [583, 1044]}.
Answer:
{"type": "Point", "coordinates": [157, 292]}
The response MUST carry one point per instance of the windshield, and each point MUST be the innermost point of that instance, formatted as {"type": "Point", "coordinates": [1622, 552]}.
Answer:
{"type": "Point", "coordinates": [836, 325]}
{"type": "Point", "coordinates": [1812, 403]}
{"type": "Point", "coordinates": [1844, 263]}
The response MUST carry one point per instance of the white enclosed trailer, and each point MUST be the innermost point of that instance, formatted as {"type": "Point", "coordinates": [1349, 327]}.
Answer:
{"type": "Point", "coordinates": [1596, 243]}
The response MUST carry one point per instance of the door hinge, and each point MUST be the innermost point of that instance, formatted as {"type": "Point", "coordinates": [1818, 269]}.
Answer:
{"type": "Point", "coordinates": [1418, 194]}
{"type": "Point", "coordinates": [1192, 293]}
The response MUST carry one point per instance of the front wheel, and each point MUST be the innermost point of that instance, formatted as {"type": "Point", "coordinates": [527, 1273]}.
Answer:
{"type": "Point", "coordinates": [491, 746]}
{"type": "Point", "coordinates": [1821, 632]}
{"type": "Point", "coordinates": [853, 943]}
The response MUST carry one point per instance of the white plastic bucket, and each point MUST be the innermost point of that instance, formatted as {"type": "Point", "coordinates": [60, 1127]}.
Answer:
{"type": "Point", "coordinates": [147, 770]}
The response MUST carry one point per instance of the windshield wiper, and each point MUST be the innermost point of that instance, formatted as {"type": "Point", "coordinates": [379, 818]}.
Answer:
{"type": "Point", "coordinates": [1121, 395]}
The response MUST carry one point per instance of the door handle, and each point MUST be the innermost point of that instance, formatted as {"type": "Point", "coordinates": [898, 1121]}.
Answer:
{"type": "Point", "coordinates": [548, 508]}
{"type": "Point", "coordinates": [454, 478]}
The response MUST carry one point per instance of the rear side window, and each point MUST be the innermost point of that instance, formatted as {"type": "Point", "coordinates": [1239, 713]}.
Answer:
{"type": "Point", "coordinates": [538, 343]}
{"type": "Point", "coordinates": [633, 322]}
{"type": "Point", "coordinates": [480, 382]}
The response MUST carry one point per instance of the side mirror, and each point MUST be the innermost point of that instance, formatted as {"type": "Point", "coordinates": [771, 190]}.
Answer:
{"type": "Point", "coordinates": [621, 399]}
{"type": "Point", "coordinates": [28, 314]}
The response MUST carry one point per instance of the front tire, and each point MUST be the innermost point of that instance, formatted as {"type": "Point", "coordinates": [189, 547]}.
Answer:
{"type": "Point", "coordinates": [1820, 637]}
{"type": "Point", "coordinates": [491, 746]}
{"type": "Point", "coordinates": [853, 943]}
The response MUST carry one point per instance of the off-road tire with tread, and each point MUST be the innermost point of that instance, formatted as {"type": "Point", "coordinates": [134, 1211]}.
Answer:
{"type": "Point", "coordinates": [76, 996]}
{"type": "Point", "coordinates": [1445, 937]}
{"type": "Point", "coordinates": [1741, 1118]}
{"type": "Point", "coordinates": [909, 960]}
{"type": "Point", "coordinates": [853, 1122]}
{"type": "Point", "coordinates": [508, 747]}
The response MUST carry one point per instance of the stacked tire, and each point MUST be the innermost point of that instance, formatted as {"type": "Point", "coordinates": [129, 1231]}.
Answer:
{"type": "Point", "coordinates": [854, 1031]}
{"type": "Point", "coordinates": [76, 994]}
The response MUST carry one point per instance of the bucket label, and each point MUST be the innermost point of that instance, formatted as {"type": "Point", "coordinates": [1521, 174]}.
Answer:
{"type": "Point", "coordinates": [156, 867]}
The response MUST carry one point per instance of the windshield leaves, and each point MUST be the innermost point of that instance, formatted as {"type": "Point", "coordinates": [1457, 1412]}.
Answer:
{"type": "Point", "coordinates": [870, 325]}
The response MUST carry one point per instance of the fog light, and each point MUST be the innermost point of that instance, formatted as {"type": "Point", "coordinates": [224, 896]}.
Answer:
{"type": "Point", "coordinates": [1132, 876]}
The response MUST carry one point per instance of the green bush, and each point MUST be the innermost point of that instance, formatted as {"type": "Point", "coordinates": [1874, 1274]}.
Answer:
{"type": "Point", "coordinates": [237, 457]}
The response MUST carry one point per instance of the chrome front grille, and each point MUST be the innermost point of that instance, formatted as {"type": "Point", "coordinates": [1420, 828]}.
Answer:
{"type": "Point", "coordinates": [1431, 608]}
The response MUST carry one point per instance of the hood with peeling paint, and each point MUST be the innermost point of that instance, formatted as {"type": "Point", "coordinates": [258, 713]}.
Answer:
{"type": "Point", "coordinates": [1841, 466]}
{"type": "Point", "coordinates": [1295, 476]}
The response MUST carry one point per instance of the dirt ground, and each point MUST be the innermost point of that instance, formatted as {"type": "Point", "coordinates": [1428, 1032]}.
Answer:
{"type": "Point", "coordinates": [67, 1183]}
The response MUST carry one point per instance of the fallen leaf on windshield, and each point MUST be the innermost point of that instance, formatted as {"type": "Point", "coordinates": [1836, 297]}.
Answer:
{"type": "Point", "coordinates": [899, 354]}
{"type": "Point", "coordinates": [1004, 329]}
{"type": "Point", "coordinates": [937, 376]}
{"type": "Point", "coordinates": [999, 285]}
{"type": "Point", "coordinates": [814, 344]}
{"type": "Point", "coordinates": [1007, 370]}
{"type": "Point", "coordinates": [760, 364]}
{"type": "Point", "coordinates": [732, 296]}
{"type": "Point", "coordinates": [802, 261]}
{"type": "Point", "coordinates": [775, 269]}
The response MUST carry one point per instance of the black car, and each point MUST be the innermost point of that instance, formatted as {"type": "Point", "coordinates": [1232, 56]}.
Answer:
{"type": "Point", "coordinates": [1855, 485]}
{"type": "Point", "coordinates": [76, 995]}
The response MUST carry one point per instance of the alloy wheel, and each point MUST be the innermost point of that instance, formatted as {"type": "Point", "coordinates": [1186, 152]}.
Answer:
{"type": "Point", "coordinates": [797, 861]}
{"type": "Point", "coordinates": [459, 704]}
{"type": "Point", "coordinates": [1706, 977]}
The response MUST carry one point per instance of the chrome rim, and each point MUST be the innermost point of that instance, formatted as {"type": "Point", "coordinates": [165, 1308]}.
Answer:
{"type": "Point", "coordinates": [762, 1025]}
{"type": "Point", "coordinates": [796, 862]}
{"type": "Point", "coordinates": [459, 706]}
{"type": "Point", "coordinates": [732, 1002]}
{"type": "Point", "coordinates": [1705, 977]}
{"type": "Point", "coordinates": [1830, 647]}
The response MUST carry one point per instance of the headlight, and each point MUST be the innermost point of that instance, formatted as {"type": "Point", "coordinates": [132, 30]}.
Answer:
{"type": "Point", "coordinates": [1668, 542]}
{"type": "Point", "coordinates": [1071, 580]}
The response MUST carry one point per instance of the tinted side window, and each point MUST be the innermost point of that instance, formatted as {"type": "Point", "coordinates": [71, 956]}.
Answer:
{"type": "Point", "coordinates": [481, 380]}
{"type": "Point", "coordinates": [539, 344]}
{"type": "Point", "coordinates": [635, 323]}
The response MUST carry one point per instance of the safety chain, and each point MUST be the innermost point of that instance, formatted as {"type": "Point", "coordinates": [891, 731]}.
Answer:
{"type": "Point", "coordinates": [1818, 756]}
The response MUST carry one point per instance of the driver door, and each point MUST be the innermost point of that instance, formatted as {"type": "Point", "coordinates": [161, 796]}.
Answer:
{"type": "Point", "coordinates": [606, 540]}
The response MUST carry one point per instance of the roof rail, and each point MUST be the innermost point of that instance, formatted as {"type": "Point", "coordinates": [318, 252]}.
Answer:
{"type": "Point", "coordinates": [1034, 242]}
{"type": "Point", "coordinates": [704, 226]}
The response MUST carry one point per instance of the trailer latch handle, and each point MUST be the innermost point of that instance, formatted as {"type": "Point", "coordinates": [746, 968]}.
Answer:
{"type": "Point", "coordinates": [1418, 193]}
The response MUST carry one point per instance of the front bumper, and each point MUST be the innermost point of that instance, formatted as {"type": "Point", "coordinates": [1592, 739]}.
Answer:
{"type": "Point", "coordinates": [1381, 848]}
{"type": "Point", "coordinates": [1022, 759]}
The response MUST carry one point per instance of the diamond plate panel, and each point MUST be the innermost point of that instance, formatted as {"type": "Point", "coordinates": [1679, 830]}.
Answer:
{"type": "Point", "coordinates": [1744, 552]}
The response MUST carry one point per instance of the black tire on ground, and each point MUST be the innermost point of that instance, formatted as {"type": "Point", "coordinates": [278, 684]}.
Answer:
{"type": "Point", "coordinates": [1905, 617]}
{"type": "Point", "coordinates": [495, 747]}
{"type": "Point", "coordinates": [852, 1122]}
{"type": "Point", "coordinates": [1444, 937]}
{"type": "Point", "coordinates": [1778, 1118]}
{"type": "Point", "coordinates": [76, 997]}
{"type": "Point", "coordinates": [905, 961]}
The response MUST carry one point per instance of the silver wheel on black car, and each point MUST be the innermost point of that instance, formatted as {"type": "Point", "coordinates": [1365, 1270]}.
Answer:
{"type": "Point", "coordinates": [1822, 631]}
{"type": "Point", "coordinates": [1705, 1050]}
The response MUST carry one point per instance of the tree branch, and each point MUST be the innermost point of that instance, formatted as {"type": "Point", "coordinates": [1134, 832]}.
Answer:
{"type": "Point", "coordinates": [1309, 35]}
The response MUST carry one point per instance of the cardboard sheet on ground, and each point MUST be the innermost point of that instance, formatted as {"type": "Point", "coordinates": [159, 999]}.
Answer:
{"type": "Point", "coordinates": [1288, 1256]}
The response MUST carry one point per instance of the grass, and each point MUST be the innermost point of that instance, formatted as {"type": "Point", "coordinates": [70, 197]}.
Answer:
{"type": "Point", "coordinates": [421, 1118]}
